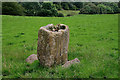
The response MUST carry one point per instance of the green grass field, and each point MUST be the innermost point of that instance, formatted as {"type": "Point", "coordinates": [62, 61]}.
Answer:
{"type": "Point", "coordinates": [93, 40]}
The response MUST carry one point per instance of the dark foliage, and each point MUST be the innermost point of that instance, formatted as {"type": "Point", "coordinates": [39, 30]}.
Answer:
{"type": "Point", "coordinates": [100, 8]}
{"type": "Point", "coordinates": [12, 8]}
{"type": "Point", "coordinates": [78, 5]}
{"type": "Point", "coordinates": [50, 8]}
{"type": "Point", "coordinates": [65, 5]}
{"type": "Point", "coordinates": [45, 12]}
{"type": "Point", "coordinates": [31, 8]}
{"type": "Point", "coordinates": [69, 15]}
{"type": "Point", "coordinates": [39, 9]}
{"type": "Point", "coordinates": [90, 9]}
{"type": "Point", "coordinates": [119, 4]}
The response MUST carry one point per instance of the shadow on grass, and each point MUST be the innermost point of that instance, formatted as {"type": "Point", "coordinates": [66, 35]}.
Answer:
{"type": "Point", "coordinates": [34, 67]}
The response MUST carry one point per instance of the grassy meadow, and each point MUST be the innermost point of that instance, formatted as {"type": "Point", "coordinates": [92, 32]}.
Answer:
{"type": "Point", "coordinates": [69, 12]}
{"type": "Point", "coordinates": [93, 40]}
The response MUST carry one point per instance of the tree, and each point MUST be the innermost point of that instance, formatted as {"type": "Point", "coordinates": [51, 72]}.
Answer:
{"type": "Point", "coordinates": [58, 5]}
{"type": "Point", "coordinates": [119, 4]}
{"type": "Point", "coordinates": [90, 8]}
{"type": "Point", "coordinates": [65, 5]}
{"type": "Point", "coordinates": [54, 12]}
{"type": "Point", "coordinates": [109, 10]}
{"type": "Point", "coordinates": [71, 6]}
{"type": "Point", "coordinates": [78, 5]}
{"type": "Point", "coordinates": [102, 8]}
{"type": "Point", "coordinates": [96, 3]}
{"type": "Point", "coordinates": [12, 8]}
{"type": "Point", "coordinates": [40, 9]}
{"type": "Point", "coordinates": [106, 3]}
{"type": "Point", "coordinates": [94, 9]}
{"type": "Point", "coordinates": [0, 8]}
{"type": "Point", "coordinates": [114, 7]}
{"type": "Point", "coordinates": [47, 6]}
{"type": "Point", "coordinates": [45, 12]}
{"type": "Point", "coordinates": [31, 8]}
{"type": "Point", "coordinates": [85, 10]}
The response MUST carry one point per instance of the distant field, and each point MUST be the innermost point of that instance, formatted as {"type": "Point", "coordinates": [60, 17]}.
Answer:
{"type": "Point", "coordinates": [68, 12]}
{"type": "Point", "coordinates": [93, 40]}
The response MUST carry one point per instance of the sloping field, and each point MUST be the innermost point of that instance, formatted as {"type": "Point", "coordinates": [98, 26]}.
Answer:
{"type": "Point", "coordinates": [93, 40]}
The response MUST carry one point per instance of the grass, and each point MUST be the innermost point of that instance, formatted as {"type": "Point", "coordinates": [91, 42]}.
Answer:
{"type": "Point", "coordinates": [93, 40]}
{"type": "Point", "coordinates": [69, 12]}
{"type": "Point", "coordinates": [0, 48]}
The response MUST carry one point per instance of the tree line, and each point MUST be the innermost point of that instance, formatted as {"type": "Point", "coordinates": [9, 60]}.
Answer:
{"type": "Point", "coordinates": [51, 8]}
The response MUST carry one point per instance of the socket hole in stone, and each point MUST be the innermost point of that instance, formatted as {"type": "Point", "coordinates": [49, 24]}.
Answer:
{"type": "Point", "coordinates": [56, 28]}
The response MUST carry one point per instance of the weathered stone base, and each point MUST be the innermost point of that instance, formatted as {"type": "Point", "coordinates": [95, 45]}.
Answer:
{"type": "Point", "coordinates": [52, 46]}
{"type": "Point", "coordinates": [31, 58]}
{"type": "Point", "coordinates": [69, 63]}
